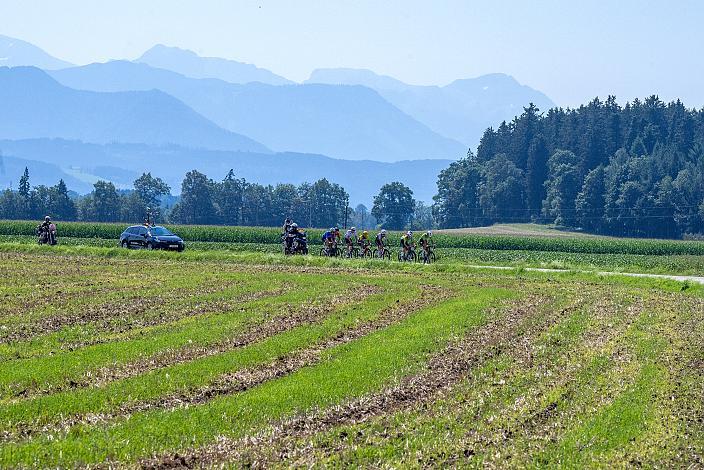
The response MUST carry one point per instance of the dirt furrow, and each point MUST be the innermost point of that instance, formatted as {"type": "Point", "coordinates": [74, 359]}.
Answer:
{"type": "Point", "coordinates": [120, 315]}
{"type": "Point", "coordinates": [442, 371]}
{"type": "Point", "coordinates": [247, 378]}
{"type": "Point", "coordinates": [291, 317]}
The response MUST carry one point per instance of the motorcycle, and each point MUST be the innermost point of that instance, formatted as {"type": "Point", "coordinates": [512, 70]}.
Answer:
{"type": "Point", "coordinates": [300, 245]}
{"type": "Point", "coordinates": [47, 235]}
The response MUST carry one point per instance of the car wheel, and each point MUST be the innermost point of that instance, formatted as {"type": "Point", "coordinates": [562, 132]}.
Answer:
{"type": "Point", "coordinates": [150, 246]}
{"type": "Point", "coordinates": [124, 244]}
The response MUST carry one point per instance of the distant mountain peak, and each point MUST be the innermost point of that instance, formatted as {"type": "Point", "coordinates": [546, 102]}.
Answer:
{"type": "Point", "coordinates": [15, 52]}
{"type": "Point", "coordinates": [190, 64]}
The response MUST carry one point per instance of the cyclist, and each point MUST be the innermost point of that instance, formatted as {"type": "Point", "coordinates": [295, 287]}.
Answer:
{"type": "Point", "coordinates": [406, 243]}
{"type": "Point", "coordinates": [291, 235]}
{"type": "Point", "coordinates": [350, 240]}
{"type": "Point", "coordinates": [337, 235]}
{"type": "Point", "coordinates": [329, 241]}
{"type": "Point", "coordinates": [364, 241]}
{"type": "Point", "coordinates": [426, 241]}
{"type": "Point", "coordinates": [380, 240]}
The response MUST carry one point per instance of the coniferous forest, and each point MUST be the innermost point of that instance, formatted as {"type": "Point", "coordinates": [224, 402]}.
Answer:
{"type": "Point", "coordinates": [632, 170]}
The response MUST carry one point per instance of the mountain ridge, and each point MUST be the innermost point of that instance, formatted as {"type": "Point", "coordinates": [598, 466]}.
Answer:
{"type": "Point", "coordinates": [36, 105]}
{"type": "Point", "coordinates": [192, 65]}
{"type": "Point", "coordinates": [461, 110]}
{"type": "Point", "coordinates": [352, 122]}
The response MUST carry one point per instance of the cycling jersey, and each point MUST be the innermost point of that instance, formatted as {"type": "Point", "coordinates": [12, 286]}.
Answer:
{"type": "Point", "coordinates": [380, 239]}
{"type": "Point", "coordinates": [350, 236]}
{"type": "Point", "coordinates": [424, 239]}
{"type": "Point", "coordinates": [406, 240]}
{"type": "Point", "coordinates": [363, 239]}
{"type": "Point", "coordinates": [328, 235]}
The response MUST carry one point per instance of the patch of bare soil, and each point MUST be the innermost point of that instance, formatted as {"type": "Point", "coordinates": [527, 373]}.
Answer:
{"type": "Point", "coordinates": [123, 315]}
{"type": "Point", "coordinates": [443, 370]}
{"type": "Point", "coordinates": [247, 378]}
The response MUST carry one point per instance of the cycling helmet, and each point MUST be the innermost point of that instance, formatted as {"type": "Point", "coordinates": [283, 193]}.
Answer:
{"type": "Point", "coordinates": [47, 218]}
{"type": "Point", "coordinates": [288, 220]}
{"type": "Point", "coordinates": [430, 233]}
{"type": "Point", "coordinates": [332, 229]}
{"type": "Point", "coordinates": [383, 231]}
{"type": "Point", "coordinates": [366, 232]}
{"type": "Point", "coordinates": [337, 229]}
{"type": "Point", "coordinates": [294, 225]}
{"type": "Point", "coordinates": [409, 233]}
{"type": "Point", "coordinates": [353, 229]}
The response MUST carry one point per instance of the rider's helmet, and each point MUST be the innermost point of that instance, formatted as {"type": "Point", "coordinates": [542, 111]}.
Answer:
{"type": "Point", "coordinates": [409, 233]}
{"type": "Point", "coordinates": [332, 229]}
{"type": "Point", "coordinates": [353, 229]}
{"type": "Point", "coordinates": [337, 229]}
{"type": "Point", "coordinates": [383, 231]}
{"type": "Point", "coordinates": [288, 220]}
{"type": "Point", "coordinates": [366, 232]}
{"type": "Point", "coordinates": [47, 219]}
{"type": "Point", "coordinates": [430, 233]}
{"type": "Point", "coordinates": [294, 225]}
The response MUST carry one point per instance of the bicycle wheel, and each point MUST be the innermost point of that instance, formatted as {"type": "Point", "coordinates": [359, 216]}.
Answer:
{"type": "Point", "coordinates": [431, 257]}
{"type": "Point", "coordinates": [338, 252]}
{"type": "Point", "coordinates": [386, 254]}
{"type": "Point", "coordinates": [367, 254]}
{"type": "Point", "coordinates": [411, 256]}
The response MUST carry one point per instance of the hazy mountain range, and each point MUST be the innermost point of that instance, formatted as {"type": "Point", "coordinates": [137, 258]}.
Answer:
{"type": "Point", "coordinates": [82, 164]}
{"type": "Point", "coordinates": [352, 122]}
{"type": "Point", "coordinates": [171, 110]}
{"type": "Point", "coordinates": [461, 110]}
{"type": "Point", "coordinates": [14, 52]}
{"type": "Point", "coordinates": [35, 105]}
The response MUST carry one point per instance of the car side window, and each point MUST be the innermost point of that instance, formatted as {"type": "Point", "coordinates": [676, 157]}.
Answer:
{"type": "Point", "coordinates": [141, 231]}
{"type": "Point", "coordinates": [132, 231]}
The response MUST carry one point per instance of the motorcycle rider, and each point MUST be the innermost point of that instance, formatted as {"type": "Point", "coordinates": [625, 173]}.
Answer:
{"type": "Point", "coordinates": [47, 231]}
{"type": "Point", "coordinates": [290, 235]}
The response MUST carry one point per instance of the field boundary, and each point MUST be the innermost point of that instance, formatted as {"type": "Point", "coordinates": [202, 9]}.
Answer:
{"type": "Point", "coordinates": [669, 277]}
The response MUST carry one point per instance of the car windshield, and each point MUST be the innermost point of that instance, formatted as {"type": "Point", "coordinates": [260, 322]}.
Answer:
{"type": "Point", "coordinates": [159, 231]}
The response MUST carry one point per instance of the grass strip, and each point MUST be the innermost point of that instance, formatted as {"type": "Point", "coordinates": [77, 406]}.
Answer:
{"type": "Point", "coordinates": [348, 371]}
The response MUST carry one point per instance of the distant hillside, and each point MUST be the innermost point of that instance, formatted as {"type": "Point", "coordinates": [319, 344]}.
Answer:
{"type": "Point", "coordinates": [40, 172]}
{"type": "Point", "coordinates": [35, 105]}
{"type": "Point", "coordinates": [192, 65]}
{"type": "Point", "coordinates": [121, 163]}
{"type": "Point", "coordinates": [462, 110]}
{"type": "Point", "coordinates": [15, 52]}
{"type": "Point", "coordinates": [351, 122]}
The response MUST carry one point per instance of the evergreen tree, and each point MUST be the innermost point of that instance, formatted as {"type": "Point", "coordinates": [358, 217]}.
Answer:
{"type": "Point", "coordinates": [502, 191]}
{"type": "Point", "coordinates": [536, 174]}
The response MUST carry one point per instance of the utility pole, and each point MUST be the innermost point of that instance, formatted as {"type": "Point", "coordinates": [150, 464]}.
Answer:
{"type": "Point", "coordinates": [347, 204]}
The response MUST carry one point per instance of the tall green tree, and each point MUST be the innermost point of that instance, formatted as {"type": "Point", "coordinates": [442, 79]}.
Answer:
{"type": "Point", "coordinates": [457, 201]}
{"type": "Point", "coordinates": [502, 190]}
{"type": "Point", "coordinates": [150, 190]}
{"type": "Point", "coordinates": [394, 205]}
{"type": "Point", "coordinates": [562, 187]}
{"type": "Point", "coordinates": [196, 205]}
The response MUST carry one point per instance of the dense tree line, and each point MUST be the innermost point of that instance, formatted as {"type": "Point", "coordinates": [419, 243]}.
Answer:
{"type": "Point", "coordinates": [232, 201]}
{"type": "Point", "coordinates": [636, 170]}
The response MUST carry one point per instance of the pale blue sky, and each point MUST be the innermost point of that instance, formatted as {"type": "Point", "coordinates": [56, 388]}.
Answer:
{"type": "Point", "coordinates": [572, 51]}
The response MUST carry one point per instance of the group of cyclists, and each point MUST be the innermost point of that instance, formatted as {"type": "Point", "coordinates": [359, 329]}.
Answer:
{"type": "Point", "coordinates": [359, 244]}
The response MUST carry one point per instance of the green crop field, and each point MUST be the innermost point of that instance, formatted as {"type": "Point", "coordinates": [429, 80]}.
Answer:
{"type": "Point", "coordinates": [243, 357]}
{"type": "Point", "coordinates": [567, 252]}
